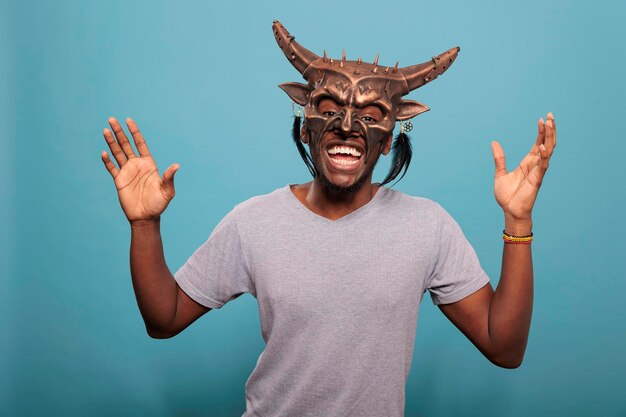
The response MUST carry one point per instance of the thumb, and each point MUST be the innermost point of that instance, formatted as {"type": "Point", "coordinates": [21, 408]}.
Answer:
{"type": "Point", "coordinates": [498, 158]}
{"type": "Point", "coordinates": [168, 176]}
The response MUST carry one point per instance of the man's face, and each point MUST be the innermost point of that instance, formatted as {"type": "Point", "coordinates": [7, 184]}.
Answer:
{"type": "Point", "coordinates": [343, 147]}
{"type": "Point", "coordinates": [356, 88]}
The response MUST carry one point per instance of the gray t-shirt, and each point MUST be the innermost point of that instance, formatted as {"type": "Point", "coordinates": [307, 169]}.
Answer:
{"type": "Point", "coordinates": [338, 300]}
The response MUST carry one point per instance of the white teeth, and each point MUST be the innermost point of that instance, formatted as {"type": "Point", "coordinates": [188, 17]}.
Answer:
{"type": "Point", "coordinates": [344, 161]}
{"type": "Point", "coordinates": [347, 150]}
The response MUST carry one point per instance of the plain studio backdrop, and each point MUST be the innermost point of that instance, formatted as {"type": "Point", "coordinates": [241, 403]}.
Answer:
{"type": "Point", "coordinates": [200, 80]}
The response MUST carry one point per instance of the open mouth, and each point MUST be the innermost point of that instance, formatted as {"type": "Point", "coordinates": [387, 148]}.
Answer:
{"type": "Point", "coordinates": [344, 155]}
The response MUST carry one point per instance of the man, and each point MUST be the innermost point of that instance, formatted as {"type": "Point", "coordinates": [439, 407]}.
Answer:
{"type": "Point", "coordinates": [338, 265]}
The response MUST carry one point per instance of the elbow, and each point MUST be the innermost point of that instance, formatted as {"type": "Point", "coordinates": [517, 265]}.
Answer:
{"type": "Point", "coordinates": [507, 361]}
{"type": "Point", "coordinates": [160, 336]}
{"type": "Point", "coordinates": [508, 364]}
{"type": "Point", "coordinates": [157, 333]}
{"type": "Point", "coordinates": [508, 355]}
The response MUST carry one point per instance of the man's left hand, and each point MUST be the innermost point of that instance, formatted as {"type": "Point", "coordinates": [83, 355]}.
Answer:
{"type": "Point", "coordinates": [516, 191]}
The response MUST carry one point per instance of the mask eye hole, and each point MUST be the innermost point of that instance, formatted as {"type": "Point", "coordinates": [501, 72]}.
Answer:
{"type": "Point", "coordinates": [328, 107]}
{"type": "Point", "coordinates": [371, 114]}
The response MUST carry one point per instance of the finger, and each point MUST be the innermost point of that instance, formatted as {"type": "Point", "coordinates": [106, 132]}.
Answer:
{"type": "Point", "coordinates": [109, 165]}
{"type": "Point", "coordinates": [168, 175]}
{"type": "Point", "coordinates": [545, 158]}
{"type": "Point", "coordinates": [541, 132]}
{"type": "Point", "coordinates": [168, 180]}
{"type": "Point", "coordinates": [115, 148]}
{"type": "Point", "coordinates": [498, 158]}
{"type": "Point", "coordinates": [140, 142]}
{"type": "Point", "coordinates": [550, 133]}
{"type": "Point", "coordinates": [121, 138]}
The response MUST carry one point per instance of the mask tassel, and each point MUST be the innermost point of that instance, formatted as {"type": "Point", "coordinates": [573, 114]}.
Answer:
{"type": "Point", "coordinates": [402, 153]}
{"type": "Point", "coordinates": [295, 133]}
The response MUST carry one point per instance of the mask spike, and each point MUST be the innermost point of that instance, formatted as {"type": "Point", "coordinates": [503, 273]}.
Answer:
{"type": "Point", "coordinates": [325, 58]}
{"type": "Point", "coordinates": [395, 67]}
{"type": "Point", "coordinates": [358, 61]}
{"type": "Point", "coordinates": [298, 55]}
{"type": "Point", "coordinates": [386, 70]}
{"type": "Point", "coordinates": [375, 70]}
{"type": "Point", "coordinates": [343, 54]}
{"type": "Point", "coordinates": [420, 74]}
{"type": "Point", "coordinates": [331, 61]}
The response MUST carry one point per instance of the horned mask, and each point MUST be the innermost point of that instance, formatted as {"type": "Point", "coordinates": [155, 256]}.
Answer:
{"type": "Point", "coordinates": [354, 85]}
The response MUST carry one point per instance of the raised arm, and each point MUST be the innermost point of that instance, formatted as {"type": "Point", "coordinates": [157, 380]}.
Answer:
{"type": "Point", "coordinates": [498, 322]}
{"type": "Point", "coordinates": [144, 196]}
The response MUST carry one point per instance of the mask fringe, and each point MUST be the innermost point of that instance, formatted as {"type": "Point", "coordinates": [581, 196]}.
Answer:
{"type": "Point", "coordinates": [402, 153]}
{"type": "Point", "coordinates": [295, 133]}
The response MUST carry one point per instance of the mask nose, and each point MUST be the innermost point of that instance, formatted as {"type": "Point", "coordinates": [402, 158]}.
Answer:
{"type": "Point", "coordinates": [346, 121]}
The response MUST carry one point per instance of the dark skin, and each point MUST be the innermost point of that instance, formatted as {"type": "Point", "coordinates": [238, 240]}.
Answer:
{"type": "Point", "coordinates": [144, 195]}
{"type": "Point", "coordinates": [334, 205]}
{"type": "Point", "coordinates": [496, 322]}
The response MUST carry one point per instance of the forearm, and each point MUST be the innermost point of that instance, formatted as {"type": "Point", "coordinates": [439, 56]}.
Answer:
{"type": "Point", "coordinates": [510, 311]}
{"type": "Point", "coordinates": [498, 322]}
{"type": "Point", "coordinates": [155, 288]}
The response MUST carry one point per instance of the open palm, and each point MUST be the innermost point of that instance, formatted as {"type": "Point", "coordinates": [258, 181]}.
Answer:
{"type": "Point", "coordinates": [516, 191]}
{"type": "Point", "coordinates": [143, 194]}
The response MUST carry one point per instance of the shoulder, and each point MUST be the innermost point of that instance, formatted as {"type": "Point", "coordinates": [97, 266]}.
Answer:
{"type": "Point", "coordinates": [261, 202]}
{"type": "Point", "coordinates": [414, 213]}
{"type": "Point", "coordinates": [260, 208]}
{"type": "Point", "coordinates": [403, 204]}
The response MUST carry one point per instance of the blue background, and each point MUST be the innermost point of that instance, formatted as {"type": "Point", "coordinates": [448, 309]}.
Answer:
{"type": "Point", "coordinates": [200, 80]}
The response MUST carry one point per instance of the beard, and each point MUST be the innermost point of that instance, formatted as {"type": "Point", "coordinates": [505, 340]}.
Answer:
{"type": "Point", "coordinates": [326, 183]}
{"type": "Point", "coordinates": [333, 188]}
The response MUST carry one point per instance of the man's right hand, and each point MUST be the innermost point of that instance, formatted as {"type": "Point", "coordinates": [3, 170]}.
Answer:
{"type": "Point", "coordinates": [144, 195]}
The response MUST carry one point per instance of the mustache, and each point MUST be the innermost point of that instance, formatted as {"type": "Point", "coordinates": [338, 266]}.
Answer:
{"type": "Point", "coordinates": [354, 135]}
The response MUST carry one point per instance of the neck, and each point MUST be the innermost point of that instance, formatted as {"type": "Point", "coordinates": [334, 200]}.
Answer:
{"type": "Point", "coordinates": [333, 204]}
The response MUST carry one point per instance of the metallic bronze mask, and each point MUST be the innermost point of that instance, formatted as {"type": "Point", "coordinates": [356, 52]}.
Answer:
{"type": "Point", "coordinates": [353, 85]}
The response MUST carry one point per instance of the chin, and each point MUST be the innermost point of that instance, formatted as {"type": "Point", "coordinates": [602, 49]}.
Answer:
{"type": "Point", "coordinates": [347, 188]}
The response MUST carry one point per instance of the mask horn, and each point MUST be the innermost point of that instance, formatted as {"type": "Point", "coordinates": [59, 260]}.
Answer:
{"type": "Point", "coordinates": [420, 74]}
{"type": "Point", "coordinates": [298, 55]}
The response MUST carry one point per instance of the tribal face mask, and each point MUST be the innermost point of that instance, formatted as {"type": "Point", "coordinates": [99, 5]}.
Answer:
{"type": "Point", "coordinates": [354, 85]}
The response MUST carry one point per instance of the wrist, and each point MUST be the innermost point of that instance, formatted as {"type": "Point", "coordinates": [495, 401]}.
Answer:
{"type": "Point", "coordinates": [517, 227]}
{"type": "Point", "coordinates": [145, 223]}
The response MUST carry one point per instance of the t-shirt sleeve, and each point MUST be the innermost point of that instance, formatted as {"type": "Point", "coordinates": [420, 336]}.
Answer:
{"type": "Point", "coordinates": [457, 272]}
{"type": "Point", "coordinates": [217, 272]}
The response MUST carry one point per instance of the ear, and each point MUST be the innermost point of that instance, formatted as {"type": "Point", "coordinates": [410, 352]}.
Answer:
{"type": "Point", "coordinates": [304, 134]}
{"type": "Point", "coordinates": [297, 92]}
{"type": "Point", "coordinates": [409, 108]}
{"type": "Point", "coordinates": [387, 146]}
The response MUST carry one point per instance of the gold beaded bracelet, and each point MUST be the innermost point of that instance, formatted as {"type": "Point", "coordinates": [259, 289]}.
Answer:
{"type": "Point", "coordinates": [517, 240]}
